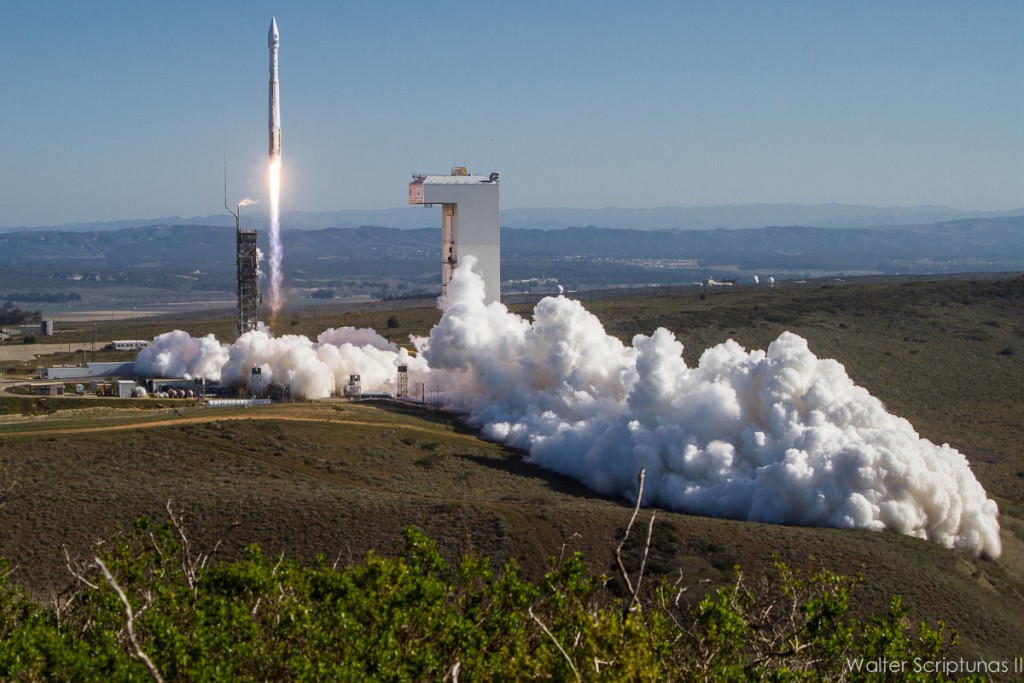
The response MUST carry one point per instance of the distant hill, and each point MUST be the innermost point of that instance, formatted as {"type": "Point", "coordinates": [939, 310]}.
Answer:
{"type": "Point", "coordinates": [972, 244]}
{"type": "Point", "coordinates": [739, 216]}
{"type": "Point", "coordinates": [989, 244]}
{"type": "Point", "coordinates": [177, 262]}
{"type": "Point", "coordinates": [667, 218]}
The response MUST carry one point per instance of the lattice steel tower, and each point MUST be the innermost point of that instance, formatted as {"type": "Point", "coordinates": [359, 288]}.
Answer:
{"type": "Point", "coordinates": [248, 280]}
{"type": "Point", "coordinates": [248, 271]}
{"type": "Point", "coordinates": [403, 382]}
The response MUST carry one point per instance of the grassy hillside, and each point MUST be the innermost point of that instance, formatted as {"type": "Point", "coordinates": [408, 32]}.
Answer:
{"type": "Point", "coordinates": [339, 478]}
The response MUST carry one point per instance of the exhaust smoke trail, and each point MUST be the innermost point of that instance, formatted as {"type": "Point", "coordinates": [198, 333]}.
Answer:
{"type": "Point", "coordinates": [276, 251]}
{"type": "Point", "coordinates": [776, 436]}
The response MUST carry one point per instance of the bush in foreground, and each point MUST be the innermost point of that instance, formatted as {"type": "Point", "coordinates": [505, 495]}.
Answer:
{"type": "Point", "coordinates": [146, 608]}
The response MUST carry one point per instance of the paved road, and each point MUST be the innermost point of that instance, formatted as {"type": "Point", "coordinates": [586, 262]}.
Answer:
{"type": "Point", "coordinates": [23, 352]}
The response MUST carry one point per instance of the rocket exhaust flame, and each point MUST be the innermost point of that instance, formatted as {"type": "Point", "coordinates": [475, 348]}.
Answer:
{"type": "Point", "coordinates": [772, 436]}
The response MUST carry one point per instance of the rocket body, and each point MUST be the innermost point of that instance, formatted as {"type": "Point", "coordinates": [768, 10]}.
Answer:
{"type": "Point", "coordinates": [274, 100]}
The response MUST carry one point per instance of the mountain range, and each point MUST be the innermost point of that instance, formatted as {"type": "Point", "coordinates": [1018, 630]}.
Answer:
{"type": "Point", "coordinates": [667, 218]}
{"type": "Point", "coordinates": [189, 262]}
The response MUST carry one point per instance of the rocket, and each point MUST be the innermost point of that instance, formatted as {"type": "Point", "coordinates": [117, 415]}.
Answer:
{"type": "Point", "coordinates": [274, 102]}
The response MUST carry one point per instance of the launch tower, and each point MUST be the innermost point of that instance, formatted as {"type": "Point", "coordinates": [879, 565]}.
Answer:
{"type": "Point", "coordinates": [248, 280]}
{"type": "Point", "coordinates": [469, 222]}
{"type": "Point", "coordinates": [247, 264]}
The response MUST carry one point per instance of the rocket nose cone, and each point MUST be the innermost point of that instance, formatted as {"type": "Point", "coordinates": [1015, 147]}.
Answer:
{"type": "Point", "coordinates": [272, 36]}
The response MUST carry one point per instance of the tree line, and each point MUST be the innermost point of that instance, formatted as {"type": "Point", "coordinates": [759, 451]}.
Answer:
{"type": "Point", "coordinates": [9, 315]}
{"type": "Point", "coordinates": [42, 297]}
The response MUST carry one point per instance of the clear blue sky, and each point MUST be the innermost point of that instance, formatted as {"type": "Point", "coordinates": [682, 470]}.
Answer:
{"type": "Point", "coordinates": [127, 109]}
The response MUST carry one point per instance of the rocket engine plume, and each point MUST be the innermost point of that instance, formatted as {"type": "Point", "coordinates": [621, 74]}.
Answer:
{"type": "Point", "coordinates": [276, 250]}
{"type": "Point", "coordinates": [274, 123]}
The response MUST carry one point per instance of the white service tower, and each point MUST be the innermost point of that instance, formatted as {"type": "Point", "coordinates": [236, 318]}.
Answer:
{"type": "Point", "coordinates": [469, 223]}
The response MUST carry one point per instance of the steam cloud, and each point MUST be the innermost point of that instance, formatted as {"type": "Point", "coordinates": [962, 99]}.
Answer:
{"type": "Point", "coordinates": [774, 436]}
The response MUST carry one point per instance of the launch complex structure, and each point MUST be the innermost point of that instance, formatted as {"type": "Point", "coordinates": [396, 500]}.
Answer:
{"type": "Point", "coordinates": [248, 280]}
{"type": "Point", "coordinates": [246, 253]}
{"type": "Point", "coordinates": [469, 217]}
{"type": "Point", "coordinates": [247, 265]}
{"type": "Point", "coordinates": [469, 223]}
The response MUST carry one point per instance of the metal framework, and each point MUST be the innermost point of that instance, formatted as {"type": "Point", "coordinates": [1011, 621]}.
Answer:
{"type": "Point", "coordinates": [247, 264]}
{"type": "Point", "coordinates": [449, 248]}
{"type": "Point", "coordinates": [403, 382]}
{"type": "Point", "coordinates": [248, 280]}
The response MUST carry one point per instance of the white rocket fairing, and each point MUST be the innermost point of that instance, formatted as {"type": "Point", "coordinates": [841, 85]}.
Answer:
{"type": "Point", "coordinates": [274, 102]}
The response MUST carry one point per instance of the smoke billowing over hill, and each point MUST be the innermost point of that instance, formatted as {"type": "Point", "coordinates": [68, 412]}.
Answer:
{"type": "Point", "coordinates": [775, 436]}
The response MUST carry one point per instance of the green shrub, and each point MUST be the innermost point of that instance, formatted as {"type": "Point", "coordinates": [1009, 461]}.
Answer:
{"type": "Point", "coordinates": [416, 617]}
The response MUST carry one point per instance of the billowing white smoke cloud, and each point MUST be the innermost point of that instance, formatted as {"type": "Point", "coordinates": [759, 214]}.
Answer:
{"type": "Point", "coordinates": [312, 369]}
{"type": "Point", "coordinates": [178, 354]}
{"type": "Point", "coordinates": [775, 436]}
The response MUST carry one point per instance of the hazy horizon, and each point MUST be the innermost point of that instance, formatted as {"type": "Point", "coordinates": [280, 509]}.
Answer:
{"type": "Point", "coordinates": [830, 214]}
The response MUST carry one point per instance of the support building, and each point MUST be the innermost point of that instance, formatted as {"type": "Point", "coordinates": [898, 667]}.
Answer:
{"type": "Point", "coordinates": [469, 223]}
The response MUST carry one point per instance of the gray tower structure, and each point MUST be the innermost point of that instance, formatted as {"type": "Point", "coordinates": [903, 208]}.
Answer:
{"type": "Point", "coordinates": [247, 264]}
{"type": "Point", "coordinates": [469, 223]}
{"type": "Point", "coordinates": [248, 280]}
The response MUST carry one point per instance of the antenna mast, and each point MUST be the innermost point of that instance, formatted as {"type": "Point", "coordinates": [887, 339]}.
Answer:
{"type": "Point", "coordinates": [238, 209]}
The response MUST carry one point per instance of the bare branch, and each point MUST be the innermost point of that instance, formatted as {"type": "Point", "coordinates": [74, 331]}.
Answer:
{"type": "Point", "coordinates": [131, 620]}
{"type": "Point", "coordinates": [565, 545]}
{"type": "Point", "coordinates": [204, 558]}
{"type": "Point", "coordinates": [187, 567]}
{"type": "Point", "coordinates": [634, 591]}
{"type": "Point", "coordinates": [75, 573]}
{"type": "Point", "coordinates": [60, 604]}
{"type": "Point", "coordinates": [192, 566]}
{"type": "Point", "coordinates": [629, 527]}
{"type": "Point", "coordinates": [634, 603]}
{"type": "Point", "coordinates": [529, 610]}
